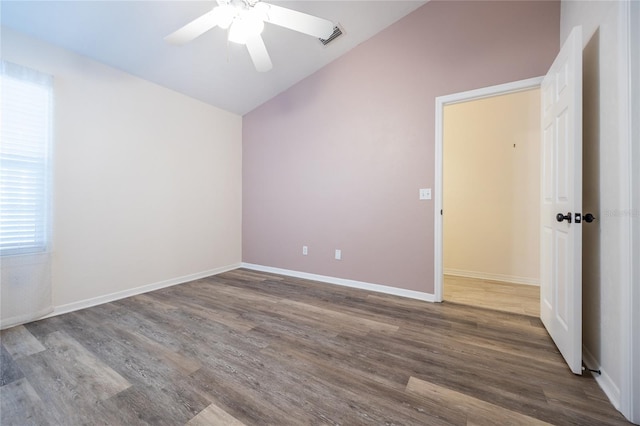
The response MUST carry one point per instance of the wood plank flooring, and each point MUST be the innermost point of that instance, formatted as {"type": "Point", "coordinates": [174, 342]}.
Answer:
{"type": "Point", "coordinates": [247, 348]}
{"type": "Point", "coordinates": [500, 296]}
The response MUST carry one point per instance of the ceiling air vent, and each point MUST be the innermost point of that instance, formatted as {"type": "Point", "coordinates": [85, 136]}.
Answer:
{"type": "Point", "coordinates": [337, 32]}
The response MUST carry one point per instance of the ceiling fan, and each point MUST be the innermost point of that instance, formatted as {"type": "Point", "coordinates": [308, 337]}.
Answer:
{"type": "Point", "coordinates": [244, 20]}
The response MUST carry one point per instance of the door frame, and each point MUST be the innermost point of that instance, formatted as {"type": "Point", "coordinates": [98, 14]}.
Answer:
{"type": "Point", "coordinates": [441, 102]}
{"type": "Point", "coordinates": [629, 90]}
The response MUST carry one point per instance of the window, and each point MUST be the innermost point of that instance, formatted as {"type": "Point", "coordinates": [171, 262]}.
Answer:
{"type": "Point", "coordinates": [25, 151]}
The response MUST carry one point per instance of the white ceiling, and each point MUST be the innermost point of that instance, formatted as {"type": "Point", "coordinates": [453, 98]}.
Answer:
{"type": "Point", "coordinates": [128, 35]}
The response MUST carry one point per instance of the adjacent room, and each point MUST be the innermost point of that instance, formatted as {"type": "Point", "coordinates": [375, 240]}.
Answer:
{"type": "Point", "coordinates": [491, 192]}
{"type": "Point", "coordinates": [247, 212]}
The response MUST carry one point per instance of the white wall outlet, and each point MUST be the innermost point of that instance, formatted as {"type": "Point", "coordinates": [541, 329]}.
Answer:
{"type": "Point", "coordinates": [425, 193]}
{"type": "Point", "coordinates": [338, 254]}
{"type": "Point", "coordinates": [305, 250]}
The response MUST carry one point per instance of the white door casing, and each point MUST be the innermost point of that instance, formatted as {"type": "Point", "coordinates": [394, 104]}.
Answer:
{"type": "Point", "coordinates": [561, 193]}
{"type": "Point", "coordinates": [441, 102]}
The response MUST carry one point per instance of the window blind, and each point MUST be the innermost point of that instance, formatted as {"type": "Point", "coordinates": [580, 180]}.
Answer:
{"type": "Point", "coordinates": [25, 145]}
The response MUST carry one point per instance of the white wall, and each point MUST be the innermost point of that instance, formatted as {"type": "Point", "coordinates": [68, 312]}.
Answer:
{"type": "Point", "coordinates": [634, 300]}
{"type": "Point", "coordinates": [147, 182]}
{"type": "Point", "coordinates": [607, 282]}
{"type": "Point", "coordinates": [491, 178]}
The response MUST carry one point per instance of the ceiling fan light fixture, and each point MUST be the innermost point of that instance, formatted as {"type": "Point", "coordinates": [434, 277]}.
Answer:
{"type": "Point", "coordinates": [225, 15]}
{"type": "Point", "coordinates": [245, 26]}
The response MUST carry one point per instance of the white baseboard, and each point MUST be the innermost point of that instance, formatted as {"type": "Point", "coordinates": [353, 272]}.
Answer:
{"type": "Point", "coordinates": [87, 303]}
{"type": "Point", "coordinates": [492, 277]}
{"type": "Point", "coordinates": [428, 297]}
{"type": "Point", "coordinates": [603, 379]}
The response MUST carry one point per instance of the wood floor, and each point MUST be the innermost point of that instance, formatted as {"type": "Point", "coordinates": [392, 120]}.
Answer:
{"type": "Point", "coordinates": [516, 298]}
{"type": "Point", "coordinates": [259, 349]}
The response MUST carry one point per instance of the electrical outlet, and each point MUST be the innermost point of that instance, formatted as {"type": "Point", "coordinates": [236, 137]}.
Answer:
{"type": "Point", "coordinates": [338, 254]}
{"type": "Point", "coordinates": [425, 193]}
{"type": "Point", "coordinates": [305, 250]}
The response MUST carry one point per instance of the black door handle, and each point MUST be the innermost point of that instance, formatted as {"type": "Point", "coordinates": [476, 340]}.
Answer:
{"type": "Point", "coordinates": [560, 217]}
{"type": "Point", "coordinates": [589, 218]}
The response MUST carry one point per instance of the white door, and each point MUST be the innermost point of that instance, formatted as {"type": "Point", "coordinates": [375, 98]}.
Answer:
{"type": "Point", "coordinates": [561, 191]}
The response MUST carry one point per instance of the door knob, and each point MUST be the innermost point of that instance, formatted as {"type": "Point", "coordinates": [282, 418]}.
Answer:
{"type": "Point", "coordinates": [560, 217]}
{"type": "Point", "coordinates": [589, 218]}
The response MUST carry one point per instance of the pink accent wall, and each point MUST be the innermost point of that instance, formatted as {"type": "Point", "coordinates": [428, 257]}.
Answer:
{"type": "Point", "coordinates": [336, 161]}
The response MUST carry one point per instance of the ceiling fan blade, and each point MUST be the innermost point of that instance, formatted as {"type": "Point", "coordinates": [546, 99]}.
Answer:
{"type": "Point", "coordinates": [194, 28]}
{"type": "Point", "coordinates": [294, 20]}
{"type": "Point", "coordinates": [259, 55]}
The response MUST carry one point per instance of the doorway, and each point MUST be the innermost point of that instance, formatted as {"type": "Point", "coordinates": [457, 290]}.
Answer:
{"type": "Point", "coordinates": [487, 181]}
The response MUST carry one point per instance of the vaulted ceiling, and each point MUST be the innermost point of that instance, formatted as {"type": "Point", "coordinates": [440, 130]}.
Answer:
{"type": "Point", "coordinates": [128, 35]}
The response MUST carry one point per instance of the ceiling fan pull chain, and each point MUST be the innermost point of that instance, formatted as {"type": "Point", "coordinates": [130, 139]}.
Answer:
{"type": "Point", "coordinates": [227, 49]}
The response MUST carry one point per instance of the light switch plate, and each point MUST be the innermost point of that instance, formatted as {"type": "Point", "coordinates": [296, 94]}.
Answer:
{"type": "Point", "coordinates": [425, 193]}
